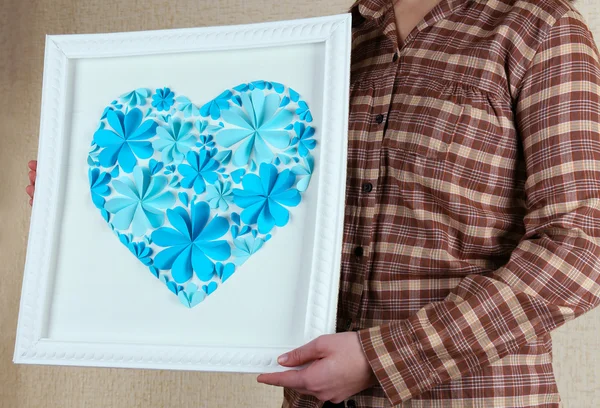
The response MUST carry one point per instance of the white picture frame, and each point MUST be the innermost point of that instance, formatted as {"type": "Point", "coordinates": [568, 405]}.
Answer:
{"type": "Point", "coordinates": [75, 307]}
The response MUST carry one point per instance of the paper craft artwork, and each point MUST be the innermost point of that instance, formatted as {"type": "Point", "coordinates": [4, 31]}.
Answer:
{"type": "Point", "coordinates": [194, 190]}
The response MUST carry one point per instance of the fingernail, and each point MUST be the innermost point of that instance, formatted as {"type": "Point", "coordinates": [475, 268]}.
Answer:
{"type": "Point", "coordinates": [282, 359]}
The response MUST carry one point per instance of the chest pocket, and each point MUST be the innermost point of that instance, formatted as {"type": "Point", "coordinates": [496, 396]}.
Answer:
{"type": "Point", "coordinates": [424, 124]}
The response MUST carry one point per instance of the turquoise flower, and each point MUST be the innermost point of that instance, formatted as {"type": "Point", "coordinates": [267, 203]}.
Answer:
{"type": "Point", "coordinates": [136, 97]}
{"type": "Point", "coordinates": [174, 140]}
{"type": "Point", "coordinates": [258, 123]}
{"type": "Point", "coordinates": [303, 138]}
{"type": "Point", "coordinates": [206, 142]}
{"type": "Point", "coordinates": [99, 186]}
{"type": "Point", "coordinates": [192, 243]}
{"type": "Point", "coordinates": [214, 107]}
{"type": "Point", "coordinates": [219, 195]}
{"type": "Point", "coordinates": [162, 100]}
{"type": "Point", "coordinates": [201, 168]}
{"type": "Point", "coordinates": [127, 139]}
{"type": "Point", "coordinates": [142, 201]}
{"type": "Point", "coordinates": [263, 198]}
{"type": "Point", "coordinates": [303, 112]}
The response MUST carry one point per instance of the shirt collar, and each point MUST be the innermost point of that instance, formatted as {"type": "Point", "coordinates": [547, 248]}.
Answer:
{"type": "Point", "coordinates": [376, 10]}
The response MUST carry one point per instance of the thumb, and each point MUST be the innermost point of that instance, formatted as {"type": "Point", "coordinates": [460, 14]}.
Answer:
{"type": "Point", "coordinates": [309, 352]}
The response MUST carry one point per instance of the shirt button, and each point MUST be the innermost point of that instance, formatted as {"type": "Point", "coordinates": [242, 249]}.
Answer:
{"type": "Point", "coordinates": [379, 118]}
{"type": "Point", "coordinates": [351, 404]}
{"type": "Point", "coordinates": [359, 251]}
{"type": "Point", "coordinates": [367, 187]}
{"type": "Point", "coordinates": [395, 57]}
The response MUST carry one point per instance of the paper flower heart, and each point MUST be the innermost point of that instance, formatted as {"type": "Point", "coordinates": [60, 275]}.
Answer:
{"type": "Point", "coordinates": [193, 191]}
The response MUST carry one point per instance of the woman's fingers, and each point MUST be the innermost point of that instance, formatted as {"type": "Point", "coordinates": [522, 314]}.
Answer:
{"type": "Point", "coordinates": [32, 175]}
{"type": "Point", "coordinates": [30, 190]}
{"type": "Point", "coordinates": [32, 165]}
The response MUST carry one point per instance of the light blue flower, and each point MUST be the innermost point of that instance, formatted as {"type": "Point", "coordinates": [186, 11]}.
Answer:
{"type": "Point", "coordinates": [201, 168]}
{"type": "Point", "coordinates": [191, 243]}
{"type": "Point", "coordinates": [305, 171]}
{"type": "Point", "coordinates": [260, 122]}
{"type": "Point", "coordinates": [303, 138]}
{"type": "Point", "coordinates": [174, 140]}
{"type": "Point", "coordinates": [214, 107]}
{"type": "Point", "coordinates": [136, 97]}
{"type": "Point", "coordinates": [191, 296]}
{"type": "Point", "coordinates": [263, 198]}
{"type": "Point", "coordinates": [127, 139]}
{"type": "Point", "coordinates": [162, 100]}
{"type": "Point", "coordinates": [187, 107]}
{"type": "Point", "coordinates": [142, 201]}
{"type": "Point", "coordinates": [244, 248]}
{"type": "Point", "coordinates": [219, 195]}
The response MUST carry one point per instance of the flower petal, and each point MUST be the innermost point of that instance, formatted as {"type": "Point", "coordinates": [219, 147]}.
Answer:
{"type": "Point", "coordinates": [122, 219]}
{"type": "Point", "coordinates": [278, 138]}
{"type": "Point", "coordinates": [166, 237]}
{"type": "Point", "coordinates": [279, 213]}
{"type": "Point", "coordinates": [215, 229]}
{"type": "Point", "coordinates": [279, 121]}
{"type": "Point", "coordinates": [217, 250]}
{"type": "Point", "coordinates": [200, 214]}
{"type": "Point", "coordinates": [229, 137]}
{"type": "Point", "coordinates": [104, 138]}
{"type": "Point", "coordinates": [117, 204]}
{"type": "Point", "coordinates": [182, 267]}
{"type": "Point", "coordinates": [203, 267]}
{"type": "Point", "coordinates": [127, 160]}
{"type": "Point", "coordinates": [115, 120]}
{"type": "Point", "coordinates": [132, 121]}
{"type": "Point", "coordinates": [165, 258]}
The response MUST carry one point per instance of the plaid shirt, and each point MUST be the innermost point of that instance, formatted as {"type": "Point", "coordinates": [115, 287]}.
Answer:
{"type": "Point", "coordinates": [472, 224]}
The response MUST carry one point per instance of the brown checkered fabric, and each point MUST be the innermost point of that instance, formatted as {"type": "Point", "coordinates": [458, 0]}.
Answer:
{"type": "Point", "coordinates": [472, 224]}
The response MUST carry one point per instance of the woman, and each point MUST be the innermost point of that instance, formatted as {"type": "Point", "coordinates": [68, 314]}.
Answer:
{"type": "Point", "coordinates": [472, 225]}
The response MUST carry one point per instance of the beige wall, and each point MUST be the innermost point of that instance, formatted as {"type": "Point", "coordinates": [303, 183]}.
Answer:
{"type": "Point", "coordinates": [23, 24]}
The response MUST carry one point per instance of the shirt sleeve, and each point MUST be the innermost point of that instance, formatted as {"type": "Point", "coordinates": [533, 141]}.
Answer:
{"type": "Point", "coordinates": [552, 276]}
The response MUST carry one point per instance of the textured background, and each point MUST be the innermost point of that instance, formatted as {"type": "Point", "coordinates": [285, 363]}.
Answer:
{"type": "Point", "coordinates": [23, 25]}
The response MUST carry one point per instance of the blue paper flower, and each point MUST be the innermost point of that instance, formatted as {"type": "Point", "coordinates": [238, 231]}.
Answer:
{"type": "Point", "coordinates": [218, 195]}
{"type": "Point", "coordinates": [162, 100]}
{"type": "Point", "coordinates": [305, 171]}
{"type": "Point", "coordinates": [191, 296]}
{"type": "Point", "coordinates": [206, 142]}
{"type": "Point", "coordinates": [136, 97]}
{"type": "Point", "coordinates": [245, 247]}
{"type": "Point", "coordinates": [174, 140]}
{"type": "Point", "coordinates": [191, 243]}
{"type": "Point", "coordinates": [303, 112]}
{"type": "Point", "coordinates": [127, 139]}
{"type": "Point", "coordinates": [142, 201]}
{"type": "Point", "coordinates": [99, 186]}
{"type": "Point", "coordinates": [141, 252]}
{"type": "Point", "coordinates": [187, 107]}
{"type": "Point", "coordinates": [263, 198]}
{"type": "Point", "coordinates": [303, 138]}
{"type": "Point", "coordinates": [214, 107]}
{"type": "Point", "coordinates": [201, 168]}
{"type": "Point", "coordinates": [260, 122]}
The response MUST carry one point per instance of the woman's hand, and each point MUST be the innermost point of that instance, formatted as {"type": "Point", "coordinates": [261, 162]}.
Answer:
{"type": "Point", "coordinates": [337, 368]}
{"type": "Point", "coordinates": [32, 174]}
